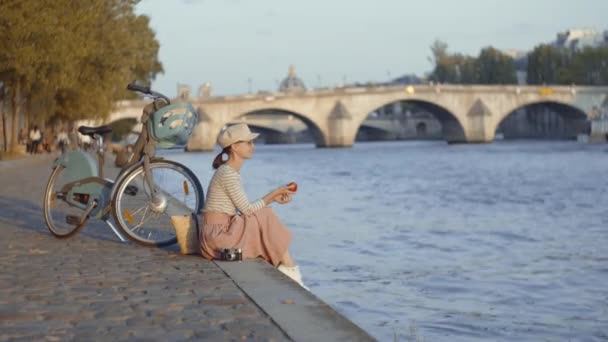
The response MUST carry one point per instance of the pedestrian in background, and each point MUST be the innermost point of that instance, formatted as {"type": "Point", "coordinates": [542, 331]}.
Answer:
{"type": "Point", "coordinates": [63, 141]}
{"type": "Point", "coordinates": [35, 138]}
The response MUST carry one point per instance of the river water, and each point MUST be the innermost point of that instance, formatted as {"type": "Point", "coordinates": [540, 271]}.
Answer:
{"type": "Point", "coordinates": [428, 241]}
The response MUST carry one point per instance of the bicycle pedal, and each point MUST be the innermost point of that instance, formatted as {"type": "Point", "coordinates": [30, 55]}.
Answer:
{"type": "Point", "coordinates": [131, 190]}
{"type": "Point", "coordinates": [72, 219]}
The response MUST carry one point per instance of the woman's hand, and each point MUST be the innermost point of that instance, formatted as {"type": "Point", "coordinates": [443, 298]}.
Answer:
{"type": "Point", "coordinates": [283, 199]}
{"type": "Point", "coordinates": [283, 195]}
{"type": "Point", "coordinates": [283, 190]}
{"type": "Point", "coordinates": [280, 195]}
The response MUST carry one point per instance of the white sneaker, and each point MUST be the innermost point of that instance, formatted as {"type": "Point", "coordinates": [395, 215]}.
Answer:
{"type": "Point", "coordinates": [293, 273]}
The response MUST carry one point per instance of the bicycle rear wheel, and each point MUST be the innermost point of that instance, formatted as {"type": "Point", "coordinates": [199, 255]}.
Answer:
{"type": "Point", "coordinates": [57, 212]}
{"type": "Point", "coordinates": [148, 222]}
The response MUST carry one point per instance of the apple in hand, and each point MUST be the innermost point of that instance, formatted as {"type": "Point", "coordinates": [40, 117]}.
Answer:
{"type": "Point", "coordinates": [293, 186]}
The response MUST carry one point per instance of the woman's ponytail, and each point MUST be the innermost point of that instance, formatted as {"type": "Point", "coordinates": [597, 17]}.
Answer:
{"type": "Point", "coordinates": [219, 160]}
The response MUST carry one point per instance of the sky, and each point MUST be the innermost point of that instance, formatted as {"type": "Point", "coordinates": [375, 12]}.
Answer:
{"type": "Point", "coordinates": [238, 45]}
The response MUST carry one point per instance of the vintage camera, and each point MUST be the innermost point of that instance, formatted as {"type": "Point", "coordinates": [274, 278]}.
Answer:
{"type": "Point", "coordinates": [232, 254]}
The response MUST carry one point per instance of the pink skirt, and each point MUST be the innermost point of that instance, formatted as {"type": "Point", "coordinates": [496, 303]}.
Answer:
{"type": "Point", "coordinates": [259, 235]}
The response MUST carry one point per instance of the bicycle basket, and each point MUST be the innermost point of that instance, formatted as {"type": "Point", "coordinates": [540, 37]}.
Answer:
{"type": "Point", "coordinates": [173, 124]}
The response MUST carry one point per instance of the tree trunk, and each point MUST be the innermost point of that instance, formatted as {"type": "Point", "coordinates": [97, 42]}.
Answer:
{"type": "Point", "coordinates": [2, 98]}
{"type": "Point", "coordinates": [4, 130]}
{"type": "Point", "coordinates": [15, 106]}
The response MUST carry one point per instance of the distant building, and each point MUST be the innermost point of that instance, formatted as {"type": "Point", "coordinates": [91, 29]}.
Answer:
{"type": "Point", "coordinates": [576, 39]}
{"type": "Point", "coordinates": [292, 83]}
{"type": "Point", "coordinates": [514, 53]}
{"type": "Point", "coordinates": [183, 91]}
{"type": "Point", "coordinates": [204, 90]}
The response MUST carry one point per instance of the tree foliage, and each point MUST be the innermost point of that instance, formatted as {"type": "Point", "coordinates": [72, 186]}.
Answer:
{"type": "Point", "coordinates": [589, 67]}
{"type": "Point", "coordinates": [548, 64]}
{"type": "Point", "coordinates": [495, 67]}
{"type": "Point", "coordinates": [545, 64]}
{"type": "Point", "coordinates": [69, 60]}
{"type": "Point", "coordinates": [122, 127]}
{"type": "Point", "coordinates": [490, 67]}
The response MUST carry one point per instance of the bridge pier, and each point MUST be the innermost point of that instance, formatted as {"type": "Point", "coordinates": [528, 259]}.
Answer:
{"type": "Point", "coordinates": [341, 130]}
{"type": "Point", "coordinates": [479, 128]}
{"type": "Point", "coordinates": [341, 133]}
{"type": "Point", "coordinates": [479, 136]}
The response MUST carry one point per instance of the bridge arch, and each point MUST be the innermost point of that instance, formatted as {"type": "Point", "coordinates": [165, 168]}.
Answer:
{"type": "Point", "coordinates": [451, 127]}
{"type": "Point", "coordinates": [576, 117]}
{"type": "Point", "coordinates": [371, 133]}
{"type": "Point", "coordinates": [317, 133]}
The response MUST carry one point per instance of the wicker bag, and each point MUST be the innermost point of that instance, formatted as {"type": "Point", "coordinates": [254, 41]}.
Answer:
{"type": "Point", "coordinates": [186, 230]}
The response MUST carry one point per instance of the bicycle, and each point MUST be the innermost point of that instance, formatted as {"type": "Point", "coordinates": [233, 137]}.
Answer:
{"type": "Point", "coordinates": [147, 192]}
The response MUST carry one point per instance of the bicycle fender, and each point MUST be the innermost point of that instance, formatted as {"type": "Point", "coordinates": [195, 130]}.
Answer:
{"type": "Point", "coordinates": [78, 165]}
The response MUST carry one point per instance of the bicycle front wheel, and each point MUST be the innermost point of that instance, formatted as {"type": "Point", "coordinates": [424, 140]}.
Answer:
{"type": "Point", "coordinates": [146, 218]}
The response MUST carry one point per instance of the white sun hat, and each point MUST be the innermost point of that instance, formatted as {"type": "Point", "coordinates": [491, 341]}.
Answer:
{"type": "Point", "coordinates": [235, 133]}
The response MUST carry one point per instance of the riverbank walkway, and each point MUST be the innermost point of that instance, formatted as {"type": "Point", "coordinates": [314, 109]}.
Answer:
{"type": "Point", "coordinates": [94, 287]}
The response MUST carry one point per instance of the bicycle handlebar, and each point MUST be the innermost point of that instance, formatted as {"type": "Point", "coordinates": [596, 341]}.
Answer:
{"type": "Point", "coordinates": [139, 88]}
{"type": "Point", "coordinates": [147, 91]}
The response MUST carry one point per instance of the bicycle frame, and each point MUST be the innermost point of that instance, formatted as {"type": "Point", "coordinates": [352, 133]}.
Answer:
{"type": "Point", "coordinates": [143, 152]}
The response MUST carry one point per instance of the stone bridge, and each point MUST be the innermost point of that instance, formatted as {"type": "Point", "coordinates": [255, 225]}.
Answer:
{"type": "Point", "coordinates": [468, 113]}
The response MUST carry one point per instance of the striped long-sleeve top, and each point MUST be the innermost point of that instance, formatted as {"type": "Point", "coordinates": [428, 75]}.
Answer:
{"type": "Point", "coordinates": [225, 194]}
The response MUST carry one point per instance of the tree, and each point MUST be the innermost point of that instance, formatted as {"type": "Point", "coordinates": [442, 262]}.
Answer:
{"type": "Point", "coordinates": [439, 49]}
{"type": "Point", "coordinates": [551, 65]}
{"type": "Point", "coordinates": [122, 127]}
{"type": "Point", "coordinates": [470, 71]}
{"type": "Point", "coordinates": [589, 66]}
{"type": "Point", "coordinates": [545, 65]}
{"type": "Point", "coordinates": [491, 67]}
{"type": "Point", "coordinates": [451, 68]}
{"type": "Point", "coordinates": [2, 97]}
{"type": "Point", "coordinates": [67, 60]}
{"type": "Point", "coordinates": [441, 71]}
{"type": "Point", "coordinates": [495, 67]}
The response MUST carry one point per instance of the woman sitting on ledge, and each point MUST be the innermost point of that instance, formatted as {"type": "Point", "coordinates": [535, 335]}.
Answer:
{"type": "Point", "coordinates": [255, 229]}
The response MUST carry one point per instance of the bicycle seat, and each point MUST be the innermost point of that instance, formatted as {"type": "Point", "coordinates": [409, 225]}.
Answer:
{"type": "Point", "coordinates": [90, 131]}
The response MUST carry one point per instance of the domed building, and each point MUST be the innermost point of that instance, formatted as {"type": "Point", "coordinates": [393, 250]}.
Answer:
{"type": "Point", "coordinates": [292, 83]}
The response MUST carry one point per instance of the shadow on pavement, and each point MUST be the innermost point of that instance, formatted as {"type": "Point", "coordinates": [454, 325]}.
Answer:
{"type": "Point", "coordinates": [28, 216]}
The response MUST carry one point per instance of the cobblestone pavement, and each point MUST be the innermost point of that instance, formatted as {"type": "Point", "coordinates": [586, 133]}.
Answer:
{"type": "Point", "coordinates": [93, 287]}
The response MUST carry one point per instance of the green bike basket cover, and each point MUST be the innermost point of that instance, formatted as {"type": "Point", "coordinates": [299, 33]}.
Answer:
{"type": "Point", "coordinates": [173, 124]}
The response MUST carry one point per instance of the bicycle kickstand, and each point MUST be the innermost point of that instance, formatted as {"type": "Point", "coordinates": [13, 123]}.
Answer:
{"type": "Point", "coordinates": [107, 221]}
